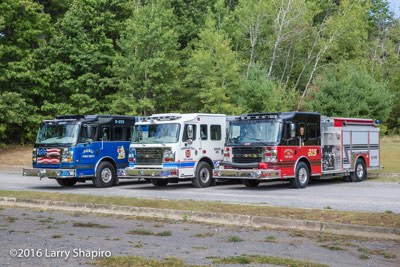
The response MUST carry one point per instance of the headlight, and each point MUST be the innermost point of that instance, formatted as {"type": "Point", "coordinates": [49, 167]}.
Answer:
{"type": "Point", "coordinates": [168, 156]}
{"type": "Point", "coordinates": [67, 155]}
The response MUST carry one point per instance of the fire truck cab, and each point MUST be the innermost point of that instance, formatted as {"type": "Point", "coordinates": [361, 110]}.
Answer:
{"type": "Point", "coordinates": [176, 147]}
{"type": "Point", "coordinates": [296, 146]}
{"type": "Point", "coordinates": [76, 148]}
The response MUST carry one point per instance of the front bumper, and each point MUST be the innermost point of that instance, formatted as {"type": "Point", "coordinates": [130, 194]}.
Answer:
{"type": "Point", "coordinates": [251, 174]}
{"type": "Point", "coordinates": [50, 173]}
{"type": "Point", "coordinates": [151, 173]}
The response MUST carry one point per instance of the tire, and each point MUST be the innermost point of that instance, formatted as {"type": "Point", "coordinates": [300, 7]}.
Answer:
{"type": "Point", "coordinates": [250, 183]}
{"type": "Point", "coordinates": [66, 182]}
{"type": "Point", "coordinates": [203, 176]}
{"type": "Point", "coordinates": [159, 182]}
{"type": "Point", "coordinates": [302, 176]}
{"type": "Point", "coordinates": [360, 171]}
{"type": "Point", "coordinates": [105, 175]}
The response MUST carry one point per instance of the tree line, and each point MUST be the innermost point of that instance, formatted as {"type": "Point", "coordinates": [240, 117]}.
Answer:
{"type": "Point", "coordinates": [139, 57]}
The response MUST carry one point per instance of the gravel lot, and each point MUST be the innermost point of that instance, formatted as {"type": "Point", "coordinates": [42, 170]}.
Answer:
{"type": "Point", "coordinates": [80, 234]}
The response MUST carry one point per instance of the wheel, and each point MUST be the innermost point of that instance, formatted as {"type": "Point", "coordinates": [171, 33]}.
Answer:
{"type": "Point", "coordinates": [203, 176]}
{"type": "Point", "coordinates": [159, 182]}
{"type": "Point", "coordinates": [302, 176]}
{"type": "Point", "coordinates": [105, 175]}
{"type": "Point", "coordinates": [360, 171]}
{"type": "Point", "coordinates": [250, 183]}
{"type": "Point", "coordinates": [66, 182]}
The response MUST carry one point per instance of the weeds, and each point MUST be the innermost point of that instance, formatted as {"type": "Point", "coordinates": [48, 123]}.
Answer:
{"type": "Point", "coordinates": [89, 225]}
{"type": "Point", "coordinates": [234, 238]}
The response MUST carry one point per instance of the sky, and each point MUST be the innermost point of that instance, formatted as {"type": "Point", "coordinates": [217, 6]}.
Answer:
{"type": "Point", "coordinates": [395, 7]}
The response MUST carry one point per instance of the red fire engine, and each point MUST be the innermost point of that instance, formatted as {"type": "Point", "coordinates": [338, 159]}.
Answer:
{"type": "Point", "coordinates": [295, 146]}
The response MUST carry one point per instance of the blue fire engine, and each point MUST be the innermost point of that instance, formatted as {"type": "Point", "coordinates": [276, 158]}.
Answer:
{"type": "Point", "coordinates": [76, 148]}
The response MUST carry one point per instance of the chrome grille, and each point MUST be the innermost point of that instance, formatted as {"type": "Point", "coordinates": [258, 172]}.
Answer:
{"type": "Point", "coordinates": [247, 154]}
{"type": "Point", "coordinates": [149, 156]}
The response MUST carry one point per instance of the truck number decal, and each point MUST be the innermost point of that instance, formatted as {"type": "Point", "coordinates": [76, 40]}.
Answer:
{"type": "Point", "coordinates": [119, 121]}
{"type": "Point", "coordinates": [312, 152]}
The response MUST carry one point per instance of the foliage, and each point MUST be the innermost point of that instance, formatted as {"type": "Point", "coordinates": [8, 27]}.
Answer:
{"type": "Point", "coordinates": [147, 67]}
{"type": "Point", "coordinates": [148, 56]}
{"type": "Point", "coordinates": [213, 73]}
{"type": "Point", "coordinates": [15, 114]}
{"type": "Point", "coordinates": [348, 90]}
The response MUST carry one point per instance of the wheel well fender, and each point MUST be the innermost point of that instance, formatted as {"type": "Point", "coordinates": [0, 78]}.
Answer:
{"type": "Point", "coordinates": [107, 159]}
{"type": "Point", "coordinates": [361, 157]}
{"type": "Point", "coordinates": [207, 160]}
{"type": "Point", "coordinates": [306, 161]}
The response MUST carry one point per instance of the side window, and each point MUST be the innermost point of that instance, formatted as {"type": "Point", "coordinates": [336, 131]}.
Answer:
{"type": "Point", "coordinates": [185, 135]}
{"type": "Point", "coordinates": [215, 132]}
{"type": "Point", "coordinates": [118, 134]}
{"type": "Point", "coordinates": [312, 131]}
{"type": "Point", "coordinates": [302, 130]}
{"type": "Point", "coordinates": [88, 132]}
{"type": "Point", "coordinates": [105, 133]}
{"type": "Point", "coordinates": [203, 132]}
{"type": "Point", "coordinates": [128, 133]}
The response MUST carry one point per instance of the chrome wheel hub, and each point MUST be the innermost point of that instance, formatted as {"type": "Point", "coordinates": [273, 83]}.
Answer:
{"type": "Point", "coordinates": [303, 176]}
{"type": "Point", "coordinates": [204, 175]}
{"type": "Point", "coordinates": [106, 175]}
{"type": "Point", "coordinates": [360, 171]}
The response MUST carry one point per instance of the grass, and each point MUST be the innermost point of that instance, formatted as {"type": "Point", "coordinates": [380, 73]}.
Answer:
{"type": "Point", "coordinates": [234, 238]}
{"type": "Point", "coordinates": [137, 261]}
{"type": "Point", "coordinates": [271, 239]}
{"type": "Point", "coordinates": [390, 153]}
{"type": "Point", "coordinates": [349, 217]}
{"type": "Point", "coordinates": [147, 232]}
{"type": "Point", "coordinates": [138, 245]}
{"type": "Point", "coordinates": [10, 219]}
{"type": "Point", "coordinates": [334, 246]}
{"type": "Point", "coordinates": [16, 157]}
{"type": "Point", "coordinates": [89, 225]}
{"type": "Point", "coordinates": [364, 253]}
{"type": "Point", "coordinates": [47, 220]}
{"type": "Point", "coordinates": [56, 236]}
{"type": "Point", "coordinates": [113, 239]}
{"type": "Point", "coordinates": [261, 259]}
{"type": "Point", "coordinates": [203, 235]}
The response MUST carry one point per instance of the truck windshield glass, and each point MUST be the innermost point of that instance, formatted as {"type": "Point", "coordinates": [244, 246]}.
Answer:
{"type": "Point", "coordinates": [58, 133]}
{"type": "Point", "coordinates": [253, 132]}
{"type": "Point", "coordinates": [156, 133]}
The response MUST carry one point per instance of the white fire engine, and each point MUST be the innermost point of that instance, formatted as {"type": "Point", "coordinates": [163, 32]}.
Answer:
{"type": "Point", "coordinates": [172, 147]}
{"type": "Point", "coordinates": [295, 146]}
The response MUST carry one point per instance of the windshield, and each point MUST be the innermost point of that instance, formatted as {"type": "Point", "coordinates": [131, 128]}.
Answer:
{"type": "Point", "coordinates": [57, 133]}
{"type": "Point", "coordinates": [156, 133]}
{"type": "Point", "coordinates": [253, 132]}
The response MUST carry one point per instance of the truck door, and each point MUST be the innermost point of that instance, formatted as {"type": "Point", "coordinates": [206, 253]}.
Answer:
{"type": "Point", "coordinates": [216, 144]}
{"type": "Point", "coordinates": [87, 150]}
{"type": "Point", "coordinates": [191, 148]}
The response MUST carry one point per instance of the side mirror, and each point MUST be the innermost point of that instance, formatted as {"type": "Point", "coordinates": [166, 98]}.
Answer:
{"type": "Point", "coordinates": [190, 131]}
{"type": "Point", "coordinates": [292, 130]}
{"type": "Point", "coordinates": [87, 134]}
{"type": "Point", "coordinates": [140, 134]}
{"type": "Point", "coordinates": [190, 134]}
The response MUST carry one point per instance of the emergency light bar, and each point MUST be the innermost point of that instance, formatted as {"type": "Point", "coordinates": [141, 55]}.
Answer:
{"type": "Point", "coordinates": [255, 116]}
{"type": "Point", "coordinates": [166, 117]}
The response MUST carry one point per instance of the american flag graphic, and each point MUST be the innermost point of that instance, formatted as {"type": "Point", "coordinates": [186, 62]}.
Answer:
{"type": "Point", "coordinates": [48, 155]}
